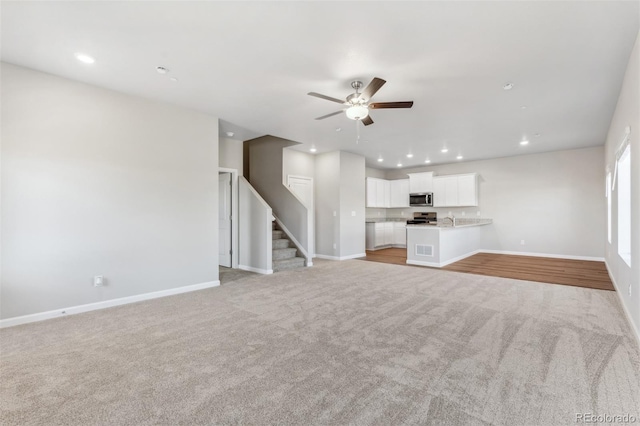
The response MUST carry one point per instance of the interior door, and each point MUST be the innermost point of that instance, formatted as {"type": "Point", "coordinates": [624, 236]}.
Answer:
{"type": "Point", "coordinates": [224, 219]}
{"type": "Point", "coordinates": [303, 188]}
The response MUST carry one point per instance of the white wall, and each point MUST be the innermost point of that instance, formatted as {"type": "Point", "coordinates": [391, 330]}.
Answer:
{"type": "Point", "coordinates": [627, 113]}
{"type": "Point", "coordinates": [266, 172]}
{"type": "Point", "coordinates": [352, 205]}
{"type": "Point", "coordinates": [553, 201]}
{"type": "Point", "coordinates": [327, 203]}
{"type": "Point", "coordinates": [255, 232]}
{"type": "Point", "coordinates": [230, 154]}
{"type": "Point", "coordinates": [95, 182]}
{"type": "Point", "coordinates": [340, 191]}
{"type": "Point", "coordinates": [297, 163]}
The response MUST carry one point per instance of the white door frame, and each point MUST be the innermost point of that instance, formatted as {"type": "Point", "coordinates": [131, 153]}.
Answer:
{"type": "Point", "coordinates": [311, 215]}
{"type": "Point", "coordinates": [234, 214]}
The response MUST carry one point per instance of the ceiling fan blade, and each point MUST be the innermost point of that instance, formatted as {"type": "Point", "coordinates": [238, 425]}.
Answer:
{"type": "Point", "coordinates": [367, 120]}
{"type": "Point", "coordinates": [329, 115]}
{"type": "Point", "coordinates": [372, 88]}
{"type": "Point", "coordinates": [328, 98]}
{"type": "Point", "coordinates": [379, 105]}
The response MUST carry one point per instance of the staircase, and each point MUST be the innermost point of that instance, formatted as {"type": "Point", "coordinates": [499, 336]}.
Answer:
{"type": "Point", "coordinates": [284, 254]}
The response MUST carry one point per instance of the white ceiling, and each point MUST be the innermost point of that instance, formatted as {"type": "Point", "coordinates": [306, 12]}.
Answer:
{"type": "Point", "coordinates": [252, 63]}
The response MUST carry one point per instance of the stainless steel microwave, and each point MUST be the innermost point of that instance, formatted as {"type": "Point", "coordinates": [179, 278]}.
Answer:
{"type": "Point", "coordinates": [420, 200]}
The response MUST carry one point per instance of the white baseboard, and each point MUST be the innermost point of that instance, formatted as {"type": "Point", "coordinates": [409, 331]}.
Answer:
{"type": "Point", "coordinates": [441, 264]}
{"type": "Point", "coordinates": [555, 256]}
{"type": "Point", "coordinates": [257, 270]}
{"type": "Point", "coordinates": [41, 316]}
{"type": "Point", "coordinates": [624, 306]}
{"type": "Point", "coordinates": [386, 246]}
{"type": "Point", "coordinates": [351, 256]}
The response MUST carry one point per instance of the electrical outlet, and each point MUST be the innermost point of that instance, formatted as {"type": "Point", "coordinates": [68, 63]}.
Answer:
{"type": "Point", "coordinates": [379, 214]}
{"type": "Point", "coordinates": [98, 281]}
{"type": "Point", "coordinates": [463, 213]}
{"type": "Point", "coordinates": [521, 242]}
{"type": "Point", "coordinates": [629, 289]}
{"type": "Point", "coordinates": [335, 213]}
{"type": "Point", "coordinates": [478, 213]}
{"type": "Point", "coordinates": [335, 246]}
{"type": "Point", "coordinates": [353, 213]}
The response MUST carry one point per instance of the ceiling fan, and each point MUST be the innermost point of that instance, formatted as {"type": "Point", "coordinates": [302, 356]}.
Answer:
{"type": "Point", "coordinates": [357, 105]}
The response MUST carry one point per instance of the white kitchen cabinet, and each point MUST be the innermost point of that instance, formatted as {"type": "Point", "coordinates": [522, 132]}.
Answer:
{"type": "Point", "coordinates": [385, 234]}
{"type": "Point", "coordinates": [399, 193]}
{"type": "Point", "coordinates": [372, 195]}
{"type": "Point", "coordinates": [468, 190]}
{"type": "Point", "coordinates": [399, 234]}
{"type": "Point", "coordinates": [455, 190]}
{"type": "Point", "coordinates": [420, 182]}
{"type": "Point", "coordinates": [378, 193]}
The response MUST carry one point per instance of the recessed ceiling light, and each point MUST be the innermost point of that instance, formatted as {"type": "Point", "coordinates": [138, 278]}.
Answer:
{"type": "Point", "coordinates": [162, 70]}
{"type": "Point", "coordinates": [525, 142]}
{"type": "Point", "coordinates": [338, 129]}
{"type": "Point", "coordinates": [409, 155]}
{"type": "Point", "coordinates": [399, 164]}
{"type": "Point", "coordinates": [508, 86]}
{"type": "Point", "coordinates": [459, 157]}
{"type": "Point", "coordinates": [313, 149]}
{"type": "Point", "coordinates": [537, 135]}
{"type": "Point", "coordinates": [427, 161]}
{"type": "Point", "coordinates": [230, 134]}
{"type": "Point", "coordinates": [175, 80]}
{"type": "Point", "coordinates": [523, 107]}
{"type": "Point", "coordinates": [380, 160]}
{"type": "Point", "coordinates": [444, 150]}
{"type": "Point", "coordinates": [86, 59]}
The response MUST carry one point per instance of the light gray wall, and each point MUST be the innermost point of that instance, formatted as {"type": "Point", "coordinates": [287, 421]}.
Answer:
{"type": "Point", "coordinates": [254, 233]}
{"type": "Point", "coordinates": [327, 202]}
{"type": "Point", "coordinates": [627, 113]}
{"type": "Point", "coordinates": [95, 182]}
{"type": "Point", "coordinates": [230, 153]}
{"type": "Point", "coordinates": [266, 168]}
{"type": "Point", "coordinates": [297, 163]}
{"type": "Point", "coordinates": [553, 201]}
{"type": "Point", "coordinates": [352, 195]}
{"type": "Point", "coordinates": [340, 190]}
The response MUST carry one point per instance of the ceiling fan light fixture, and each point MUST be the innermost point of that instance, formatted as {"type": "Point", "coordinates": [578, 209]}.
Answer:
{"type": "Point", "coordinates": [357, 112]}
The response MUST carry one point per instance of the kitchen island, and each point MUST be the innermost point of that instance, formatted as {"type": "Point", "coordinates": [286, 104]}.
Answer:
{"type": "Point", "coordinates": [444, 243]}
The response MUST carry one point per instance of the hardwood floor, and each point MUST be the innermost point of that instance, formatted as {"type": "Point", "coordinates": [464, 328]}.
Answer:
{"type": "Point", "coordinates": [397, 256]}
{"type": "Point", "coordinates": [579, 273]}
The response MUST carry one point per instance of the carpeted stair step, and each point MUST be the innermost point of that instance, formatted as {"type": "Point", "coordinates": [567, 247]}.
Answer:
{"type": "Point", "coordinates": [281, 243]}
{"type": "Point", "coordinates": [284, 264]}
{"type": "Point", "coordinates": [276, 235]}
{"type": "Point", "coordinates": [284, 253]}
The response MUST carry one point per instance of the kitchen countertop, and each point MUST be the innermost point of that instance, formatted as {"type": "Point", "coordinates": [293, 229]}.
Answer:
{"type": "Point", "coordinates": [460, 223]}
{"type": "Point", "coordinates": [381, 219]}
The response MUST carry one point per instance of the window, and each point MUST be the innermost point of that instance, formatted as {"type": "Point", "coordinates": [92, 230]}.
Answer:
{"type": "Point", "coordinates": [608, 195]}
{"type": "Point", "coordinates": [624, 205]}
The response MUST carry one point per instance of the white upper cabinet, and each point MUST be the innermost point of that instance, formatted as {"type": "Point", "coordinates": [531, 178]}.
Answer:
{"type": "Point", "coordinates": [382, 193]}
{"type": "Point", "coordinates": [468, 190]}
{"type": "Point", "coordinates": [420, 182]}
{"type": "Point", "coordinates": [399, 193]}
{"type": "Point", "coordinates": [378, 193]}
{"type": "Point", "coordinates": [455, 190]}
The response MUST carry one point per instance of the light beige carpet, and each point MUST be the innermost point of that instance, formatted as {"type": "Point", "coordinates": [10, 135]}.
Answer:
{"type": "Point", "coordinates": [340, 343]}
